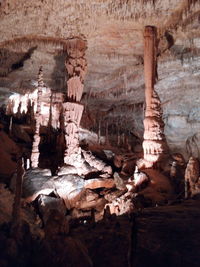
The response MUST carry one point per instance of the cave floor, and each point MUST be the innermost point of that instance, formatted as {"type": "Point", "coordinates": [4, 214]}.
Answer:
{"type": "Point", "coordinates": [159, 236]}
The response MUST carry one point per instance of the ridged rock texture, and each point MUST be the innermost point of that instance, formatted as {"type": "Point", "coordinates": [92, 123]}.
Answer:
{"type": "Point", "coordinates": [154, 144]}
{"type": "Point", "coordinates": [72, 109]}
{"type": "Point", "coordinates": [36, 139]}
{"type": "Point", "coordinates": [114, 85]}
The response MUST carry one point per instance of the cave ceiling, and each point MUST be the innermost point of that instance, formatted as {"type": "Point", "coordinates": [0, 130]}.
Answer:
{"type": "Point", "coordinates": [34, 33]}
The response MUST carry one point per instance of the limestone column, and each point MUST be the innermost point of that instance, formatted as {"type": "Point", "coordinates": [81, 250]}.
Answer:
{"type": "Point", "coordinates": [76, 68]}
{"type": "Point", "coordinates": [150, 37]}
{"type": "Point", "coordinates": [36, 139]}
{"type": "Point", "coordinates": [154, 144]}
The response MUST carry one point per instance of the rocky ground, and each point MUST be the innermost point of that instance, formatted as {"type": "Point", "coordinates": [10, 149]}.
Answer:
{"type": "Point", "coordinates": [129, 217]}
{"type": "Point", "coordinates": [155, 236]}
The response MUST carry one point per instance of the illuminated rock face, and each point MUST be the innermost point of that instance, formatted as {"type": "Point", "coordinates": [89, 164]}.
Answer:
{"type": "Point", "coordinates": [35, 147]}
{"type": "Point", "coordinates": [72, 111]}
{"type": "Point", "coordinates": [154, 144]}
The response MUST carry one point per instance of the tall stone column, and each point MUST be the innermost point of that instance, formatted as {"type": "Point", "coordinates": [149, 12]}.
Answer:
{"type": "Point", "coordinates": [150, 37]}
{"type": "Point", "coordinates": [154, 144]}
{"type": "Point", "coordinates": [36, 139]}
{"type": "Point", "coordinates": [76, 68]}
{"type": "Point", "coordinates": [72, 115]}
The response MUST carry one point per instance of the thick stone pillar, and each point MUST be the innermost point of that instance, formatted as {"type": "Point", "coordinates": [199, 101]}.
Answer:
{"type": "Point", "coordinates": [154, 144]}
{"type": "Point", "coordinates": [36, 139]}
{"type": "Point", "coordinates": [76, 68]}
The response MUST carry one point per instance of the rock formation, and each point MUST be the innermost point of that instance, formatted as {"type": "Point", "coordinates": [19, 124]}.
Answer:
{"type": "Point", "coordinates": [154, 144]}
{"type": "Point", "coordinates": [72, 115]}
{"type": "Point", "coordinates": [76, 68]}
{"type": "Point", "coordinates": [192, 174]}
{"type": "Point", "coordinates": [72, 110]}
{"type": "Point", "coordinates": [36, 139]}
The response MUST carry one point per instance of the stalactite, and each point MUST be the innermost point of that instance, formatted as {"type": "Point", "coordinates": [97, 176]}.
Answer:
{"type": "Point", "coordinates": [154, 144]}
{"type": "Point", "coordinates": [36, 139]}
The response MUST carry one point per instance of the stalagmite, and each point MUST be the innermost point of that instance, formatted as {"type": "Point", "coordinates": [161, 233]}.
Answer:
{"type": "Point", "coordinates": [72, 111]}
{"type": "Point", "coordinates": [154, 144]}
{"type": "Point", "coordinates": [76, 67]}
{"type": "Point", "coordinates": [36, 140]}
{"type": "Point", "coordinates": [72, 116]}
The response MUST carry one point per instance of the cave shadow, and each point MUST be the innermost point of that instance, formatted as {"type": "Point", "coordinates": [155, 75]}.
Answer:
{"type": "Point", "coordinates": [59, 72]}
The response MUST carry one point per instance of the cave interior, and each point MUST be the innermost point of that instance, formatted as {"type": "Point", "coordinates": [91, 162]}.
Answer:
{"type": "Point", "coordinates": [100, 133]}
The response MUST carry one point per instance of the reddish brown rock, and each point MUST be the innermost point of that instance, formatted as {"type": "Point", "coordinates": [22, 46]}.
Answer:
{"type": "Point", "coordinates": [98, 183]}
{"type": "Point", "coordinates": [154, 144]}
{"type": "Point", "coordinates": [8, 152]}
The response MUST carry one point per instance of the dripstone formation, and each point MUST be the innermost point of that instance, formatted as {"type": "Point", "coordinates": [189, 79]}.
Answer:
{"type": "Point", "coordinates": [76, 68]}
{"type": "Point", "coordinates": [154, 144]}
{"type": "Point", "coordinates": [36, 139]}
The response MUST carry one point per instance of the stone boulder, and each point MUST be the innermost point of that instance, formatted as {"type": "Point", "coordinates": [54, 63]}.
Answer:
{"type": "Point", "coordinates": [47, 204]}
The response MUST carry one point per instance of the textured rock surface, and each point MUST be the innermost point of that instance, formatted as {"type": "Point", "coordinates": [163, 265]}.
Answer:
{"type": "Point", "coordinates": [154, 144]}
{"type": "Point", "coordinates": [69, 187]}
{"type": "Point", "coordinates": [192, 177]}
{"type": "Point", "coordinates": [114, 85]}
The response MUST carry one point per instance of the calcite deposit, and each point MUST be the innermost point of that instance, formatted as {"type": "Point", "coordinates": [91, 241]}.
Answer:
{"type": "Point", "coordinates": [154, 144]}
{"type": "Point", "coordinates": [72, 110]}
{"type": "Point", "coordinates": [107, 133]}
{"type": "Point", "coordinates": [36, 139]}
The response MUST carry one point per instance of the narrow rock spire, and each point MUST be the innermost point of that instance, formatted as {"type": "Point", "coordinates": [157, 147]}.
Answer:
{"type": "Point", "coordinates": [36, 139]}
